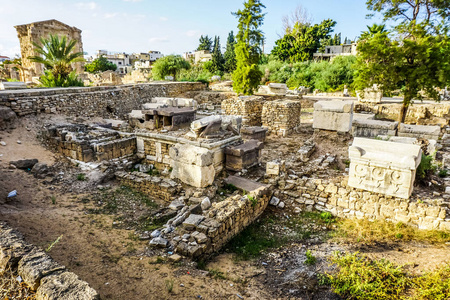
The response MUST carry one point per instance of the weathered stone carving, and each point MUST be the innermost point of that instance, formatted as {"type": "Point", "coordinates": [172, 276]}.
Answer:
{"type": "Point", "coordinates": [383, 167]}
{"type": "Point", "coordinates": [333, 115]}
{"type": "Point", "coordinates": [373, 128]}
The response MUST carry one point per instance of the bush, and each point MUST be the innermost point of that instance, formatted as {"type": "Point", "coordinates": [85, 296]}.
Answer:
{"type": "Point", "coordinates": [325, 76]}
{"type": "Point", "coordinates": [170, 65]}
{"type": "Point", "coordinates": [49, 80]}
{"type": "Point", "coordinates": [425, 168]}
{"type": "Point", "coordinates": [359, 277]}
{"type": "Point", "coordinates": [196, 73]}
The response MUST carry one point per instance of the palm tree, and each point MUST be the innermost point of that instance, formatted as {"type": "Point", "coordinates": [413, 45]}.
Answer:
{"type": "Point", "coordinates": [56, 55]}
{"type": "Point", "coordinates": [372, 30]}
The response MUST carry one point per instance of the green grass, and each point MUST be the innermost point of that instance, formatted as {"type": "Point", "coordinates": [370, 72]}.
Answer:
{"type": "Point", "coordinates": [264, 233]}
{"type": "Point", "coordinates": [310, 258]}
{"type": "Point", "coordinates": [81, 177]}
{"type": "Point", "coordinates": [353, 230]}
{"type": "Point", "coordinates": [217, 274]}
{"type": "Point", "coordinates": [359, 277]}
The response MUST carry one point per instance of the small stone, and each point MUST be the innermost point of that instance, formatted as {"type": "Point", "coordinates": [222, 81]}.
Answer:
{"type": "Point", "coordinates": [274, 201]}
{"type": "Point", "coordinates": [155, 233]}
{"type": "Point", "coordinates": [2, 143]}
{"type": "Point", "coordinates": [206, 203]}
{"type": "Point", "coordinates": [281, 205]}
{"type": "Point", "coordinates": [297, 210]}
{"type": "Point", "coordinates": [159, 242]}
{"type": "Point", "coordinates": [19, 142]}
{"type": "Point", "coordinates": [175, 258]}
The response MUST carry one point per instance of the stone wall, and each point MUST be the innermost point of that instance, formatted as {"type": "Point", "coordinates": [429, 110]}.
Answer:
{"type": "Point", "coordinates": [39, 271]}
{"type": "Point", "coordinates": [88, 144]}
{"type": "Point", "coordinates": [421, 114]}
{"type": "Point", "coordinates": [250, 108]}
{"type": "Point", "coordinates": [281, 117]}
{"type": "Point", "coordinates": [106, 102]}
{"type": "Point", "coordinates": [337, 197]}
{"type": "Point", "coordinates": [153, 186]}
{"type": "Point", "coordinates": [195, 234]}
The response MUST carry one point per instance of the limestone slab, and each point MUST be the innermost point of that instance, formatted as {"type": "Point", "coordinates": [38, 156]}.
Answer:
{"type": "Point", "coordinates": [333, 115]}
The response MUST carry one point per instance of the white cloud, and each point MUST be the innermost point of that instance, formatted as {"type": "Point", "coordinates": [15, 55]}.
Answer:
{"type": "Point", "coordinates": [158, 40]}
{"type": "Point", "coordinates": [110, 15]}
{"type": "Point", "coordinates": [191, 33]}
{"type": "Point", "coordinates": [163, 19]}
{"type": "Point", "coordinates": [86, 5]}
{"type": "Point", "coordinates": [132, 0]}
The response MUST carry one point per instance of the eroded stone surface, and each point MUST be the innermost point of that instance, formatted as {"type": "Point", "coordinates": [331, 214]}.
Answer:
{"type": "Point", "coordinates": [383, 167]}
{"type": "Point", "coordinates": [65, 286]}
{"type": "Point", "coordinates": [333, 115]}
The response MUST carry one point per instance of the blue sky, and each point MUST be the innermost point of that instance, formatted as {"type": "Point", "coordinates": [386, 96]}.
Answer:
{"type": "Point", "coordinates": [170, 26]}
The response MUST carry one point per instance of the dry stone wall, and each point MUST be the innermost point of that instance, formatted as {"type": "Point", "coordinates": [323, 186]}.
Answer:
{"type": "Point", "coordinates": [336, 197]}
{"type": "Point", "coordinates": [39, 271]}
{"type": "Point", "coordinates": [153, 186]}
{"type": "Point", "coordinates": [281, 117]}
{"type": "Point", "coordinates": [421, 114]}
{"type": "Point", "coordinates": [106, 102]}
{"type": "Point", "coordinates": [249, 107]}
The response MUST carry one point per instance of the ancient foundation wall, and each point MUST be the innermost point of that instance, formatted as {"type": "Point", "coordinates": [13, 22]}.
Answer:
{"type": "Point", "coordinates": [39, 271]}
{"type": "Point", "coordinates": [421, 114]}
{"type": "Point", "coordinates": [250, 108]}
{"type": "Point", "coordinates": [346, 202]}
{"type": "Point", "coordinates": [153, 186]}
{"type": "Point", "coordinates": [219, 224]}
{"type": "Point", "coordinates": [106, 102]}
{"type": "Point", "coordinates": [281, 117]}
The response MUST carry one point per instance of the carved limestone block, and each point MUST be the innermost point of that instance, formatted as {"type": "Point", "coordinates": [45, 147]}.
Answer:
{"type": "Point", "coordinates": [383, 167]}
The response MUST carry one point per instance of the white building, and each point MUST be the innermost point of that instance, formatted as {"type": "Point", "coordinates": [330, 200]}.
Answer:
{"type": "Point", "coordinates": [154, 55]}
{"type": "Point", "coordinates": [333, 51]}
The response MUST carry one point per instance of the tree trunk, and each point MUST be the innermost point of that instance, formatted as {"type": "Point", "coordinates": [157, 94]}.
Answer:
{"type": "Point", "coordinates": [403, 111]}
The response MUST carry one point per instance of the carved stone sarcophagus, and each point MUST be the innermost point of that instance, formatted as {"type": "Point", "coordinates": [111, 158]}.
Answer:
{"type": "Point", "coordinates": [383, 167]}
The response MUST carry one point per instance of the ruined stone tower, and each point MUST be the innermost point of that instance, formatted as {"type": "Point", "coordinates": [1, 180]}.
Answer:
{"type": "Point", "coordinates": [29, 33]}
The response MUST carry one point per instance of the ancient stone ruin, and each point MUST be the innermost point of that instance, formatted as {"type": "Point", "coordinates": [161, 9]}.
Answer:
{"type": "Point", "coordinates": [31, 33]}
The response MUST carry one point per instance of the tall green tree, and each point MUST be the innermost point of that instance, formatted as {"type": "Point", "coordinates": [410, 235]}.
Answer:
{"type": "Point", "coordinates": [230, 55]}
{"type": "Point", "coordinates": [205, 43]}
{"type": "Point", "coordinates": [414, 57]}
{"type": "Point", "coordinates": [247, 75]}
{"type": "Point", "coordinates": [169, 65]}
{"type": "Point", "coordinates": [100, 64]}
{"type": "Point", "coordinates": [57, 55]}
{"type": "Point", "coordinates": [303, 41]}
{"type": "Point", "coordinates": [217, 58]}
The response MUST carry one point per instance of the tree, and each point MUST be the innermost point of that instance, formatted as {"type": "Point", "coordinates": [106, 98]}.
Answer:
{"type": "Point", "coordinates": [372, 30]}
{"type": "Point", "coordinates": [205, 43]}
{"type": "Point", "coordinates": [100, 64]}
{"type": "Point", "coordinates": [299, 15]}
{"type": "Point", "coordinates": [247, 75]}
{"type": "Point", "coordinates": [57, 55]}
{"type": "Point", "coordinates": [415, 57]}
{"type": "Point", "coordinates": [230, 55]}
{"type": "Point", "coordinates": [303, 41]}
{"type": "Point", "coordinates": [169, 66]}
{"type": "Point", "coordinates": [217, 58]}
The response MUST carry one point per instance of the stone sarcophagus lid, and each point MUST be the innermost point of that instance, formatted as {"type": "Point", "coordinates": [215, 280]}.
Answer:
{"type": "Point", "coordinates": [333, 115]}
{"type": "Point", "coordinates": [383, 167]}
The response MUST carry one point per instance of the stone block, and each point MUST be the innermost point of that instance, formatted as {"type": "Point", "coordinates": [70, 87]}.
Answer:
{"type": "Point", "coordinates": [419, 131]}
{"type": "Point", "coordinates": [372, 95]}
{"type": "Point", "coordinates": [192, 165]}
{"type": "Point", "coordinates": [373, 128]}
{"type": "Point", "coordinates": [243, 156]}
{"type": "Point", "coordinates": [65, 285]}
{"type": "Point", "coordinates": [254, 133]}
{"type": "Point", "coordinates": [275, 167]}
{"type": "Point", "coordinates": [383, 167]}
{"type": "Point", "coordinates": [36, 265]}
{"type": "Point", "coordinates": [333, 115]}
{"type": "Point", "coordinates": [192, 221]}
